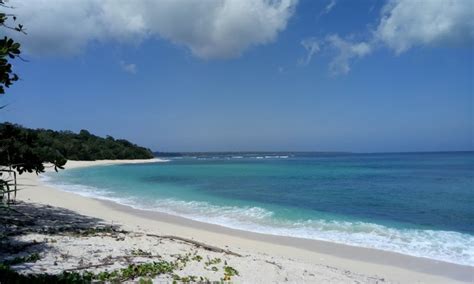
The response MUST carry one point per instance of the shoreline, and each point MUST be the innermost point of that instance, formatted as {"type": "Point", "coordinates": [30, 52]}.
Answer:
{"type": "Point", "coordinates": [371, 255]}
{"type": "Point", "coordinates": [390, 265]}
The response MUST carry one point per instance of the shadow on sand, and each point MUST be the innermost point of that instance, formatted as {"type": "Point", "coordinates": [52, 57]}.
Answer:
{"type": "Point", "coordinates": [24, 218]}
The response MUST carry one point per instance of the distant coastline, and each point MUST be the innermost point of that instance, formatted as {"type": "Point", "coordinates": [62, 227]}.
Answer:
{"type": "Point", "coordinates": [297, 153]}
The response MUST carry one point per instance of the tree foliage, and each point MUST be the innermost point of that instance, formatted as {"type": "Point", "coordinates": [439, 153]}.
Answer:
{"type": "Point", "coordinates": [9, 49]}
{"type": "Point", "coordinates": [22, 150]}
{"type": "Point", "coordinates": [57, 146]}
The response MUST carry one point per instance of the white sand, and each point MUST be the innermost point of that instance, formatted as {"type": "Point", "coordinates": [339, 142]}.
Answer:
{"type": "Point", "coordinates": [266, 259]}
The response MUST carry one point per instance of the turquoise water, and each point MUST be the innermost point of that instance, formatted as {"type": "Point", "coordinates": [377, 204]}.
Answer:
{"type": "Point", "coordinates": [419, 204]}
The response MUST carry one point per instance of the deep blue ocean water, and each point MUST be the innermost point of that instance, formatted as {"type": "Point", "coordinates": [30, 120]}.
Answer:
{"type": "Point", "coordinates": [420, 204]}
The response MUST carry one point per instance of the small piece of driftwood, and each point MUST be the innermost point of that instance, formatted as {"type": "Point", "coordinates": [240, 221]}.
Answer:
{"type": "Point", "coordinates": [274, 263]}
{"type": "Point", "coordinates": [90, 266]}
{"type": "Point", "coordinates": [128, 257]}
{"type": "Point", "coordinates": [196, 243]}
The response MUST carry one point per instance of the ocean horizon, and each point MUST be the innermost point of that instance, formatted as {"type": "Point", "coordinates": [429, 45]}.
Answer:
{"type": "Point", "coordinates": [418, 204]}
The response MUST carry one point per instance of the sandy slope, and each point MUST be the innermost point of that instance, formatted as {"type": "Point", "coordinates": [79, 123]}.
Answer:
{"type": "Point", "coordinates": [266, 259]}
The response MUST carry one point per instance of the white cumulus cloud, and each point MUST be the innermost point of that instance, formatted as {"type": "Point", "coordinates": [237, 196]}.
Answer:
{"type": "Point", "coordinates": [404, 24]}
{"type": "Point", "coordinates": [208, 28]}
{"type": "Point", "coordinates": [409, 23]}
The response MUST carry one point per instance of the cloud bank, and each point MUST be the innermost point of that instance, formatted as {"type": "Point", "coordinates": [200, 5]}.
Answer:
{"type": "Point", "coordinates": [208, 28]}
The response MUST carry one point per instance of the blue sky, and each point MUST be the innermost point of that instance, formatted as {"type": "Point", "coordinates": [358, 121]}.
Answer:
{"type": "Point", "coordinates": [226, 75]}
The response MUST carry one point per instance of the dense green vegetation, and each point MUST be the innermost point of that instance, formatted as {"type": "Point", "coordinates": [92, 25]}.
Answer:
{"type": "Point", "coordinates": [21, 150]}
{"type": "Point", "coordinates": [142, 271]}
{"type": "Point", "coordinates": [57, 145]}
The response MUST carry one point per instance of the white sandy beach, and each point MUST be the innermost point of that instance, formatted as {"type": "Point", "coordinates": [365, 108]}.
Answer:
{"type": "Point", "coordinates": [265, 259]}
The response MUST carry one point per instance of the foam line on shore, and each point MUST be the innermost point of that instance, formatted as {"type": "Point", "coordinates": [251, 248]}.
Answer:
{"type": "Point", "coordinates": [445, 246]}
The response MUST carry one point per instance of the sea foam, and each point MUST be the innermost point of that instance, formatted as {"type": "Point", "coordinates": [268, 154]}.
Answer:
{"type": "Point", "coordinates": [440, 245]}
